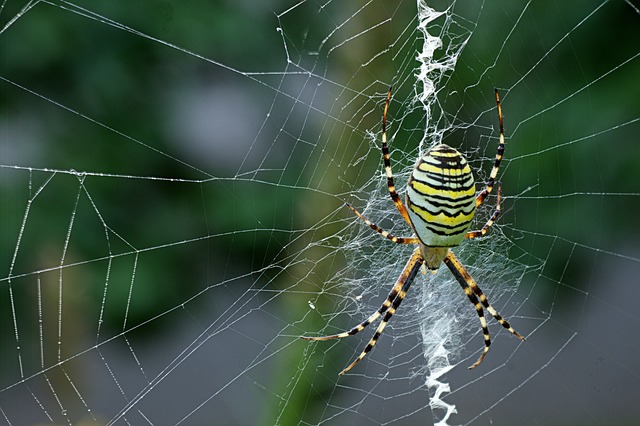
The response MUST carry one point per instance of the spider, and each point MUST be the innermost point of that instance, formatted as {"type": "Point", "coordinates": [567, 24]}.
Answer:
{"type": "Point", "coordinates": [440, 205]}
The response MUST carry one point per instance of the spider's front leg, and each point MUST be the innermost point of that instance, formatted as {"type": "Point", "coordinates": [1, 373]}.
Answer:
{"type": "Point", "coordinates": [474, 293]}
{"type": "Point", "coordinates": [406, 278]}
{"type": "Point", "coordinates": [390, 305]}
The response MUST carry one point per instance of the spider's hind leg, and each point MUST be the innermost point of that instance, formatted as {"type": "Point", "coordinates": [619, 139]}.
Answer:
{"type": "Point", "coordinates": [393, 193]}
{"type": "Point", "coordinates": [492, 219]}
{"type": "Point", "coordinates": [499, 154]}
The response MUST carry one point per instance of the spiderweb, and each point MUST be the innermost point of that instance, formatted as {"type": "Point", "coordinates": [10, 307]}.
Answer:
{"type": "Point", "coordinates": [173, 182]}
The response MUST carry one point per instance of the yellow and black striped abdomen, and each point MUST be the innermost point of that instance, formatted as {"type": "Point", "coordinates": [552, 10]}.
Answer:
{"type": "Point", "coordinates": [441, 197]}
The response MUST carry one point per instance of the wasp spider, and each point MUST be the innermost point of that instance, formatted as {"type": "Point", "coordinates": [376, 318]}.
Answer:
{"type": "Point", "coordinates": [441, 202]}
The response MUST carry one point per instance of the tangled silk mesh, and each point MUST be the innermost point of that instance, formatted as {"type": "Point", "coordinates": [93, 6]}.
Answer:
{"type": "Point", "coordinates": [173, 183]}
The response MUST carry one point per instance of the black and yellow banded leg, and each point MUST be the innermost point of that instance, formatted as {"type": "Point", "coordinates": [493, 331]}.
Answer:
{"type": "Point", "coordinates": [462, 272]}
{"type": "Point", "coordinates": [459, 273]}
{"type": "Point", "coordinates": [474, 293]}
{"type": "Point", "coordinates": [492, 219]}
{"type": "Point", "coordinates": [385, 306]}
{"type": "Point", "coordinates": [406, 278]}
{"type": "Point", "coordinates": [398, 240]}
{"type": "Point", "coordinates": [496, 165]}
{"type": "Point", "coordinates": [395, 197]}
{"type": "Point", "coordinates": [492, 311]}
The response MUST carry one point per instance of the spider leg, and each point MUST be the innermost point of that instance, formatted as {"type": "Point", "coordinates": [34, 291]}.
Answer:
{"type": "Point", "coordinates": [474, 293]}
{"type": "Point", "coordinates": [387, 164]}
{"type": "Point", "coordinates": [458, 274]}
{"type": "Point", "coordinates": [492, 219]}
{"type": "Point", "coordinates": [496, 165]}
{"type": "Point", "coordinates": [398, 240]}
{"type": "Point", "coordinates": [385, 306]}
{"type": "Point", "coordinates": [404, 281]}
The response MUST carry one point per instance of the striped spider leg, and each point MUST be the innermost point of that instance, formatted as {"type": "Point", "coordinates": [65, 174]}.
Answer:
{"type": "Point", "coordinates": [390, 305]}
{"type": "Point", "coordinates": [441, 204]}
